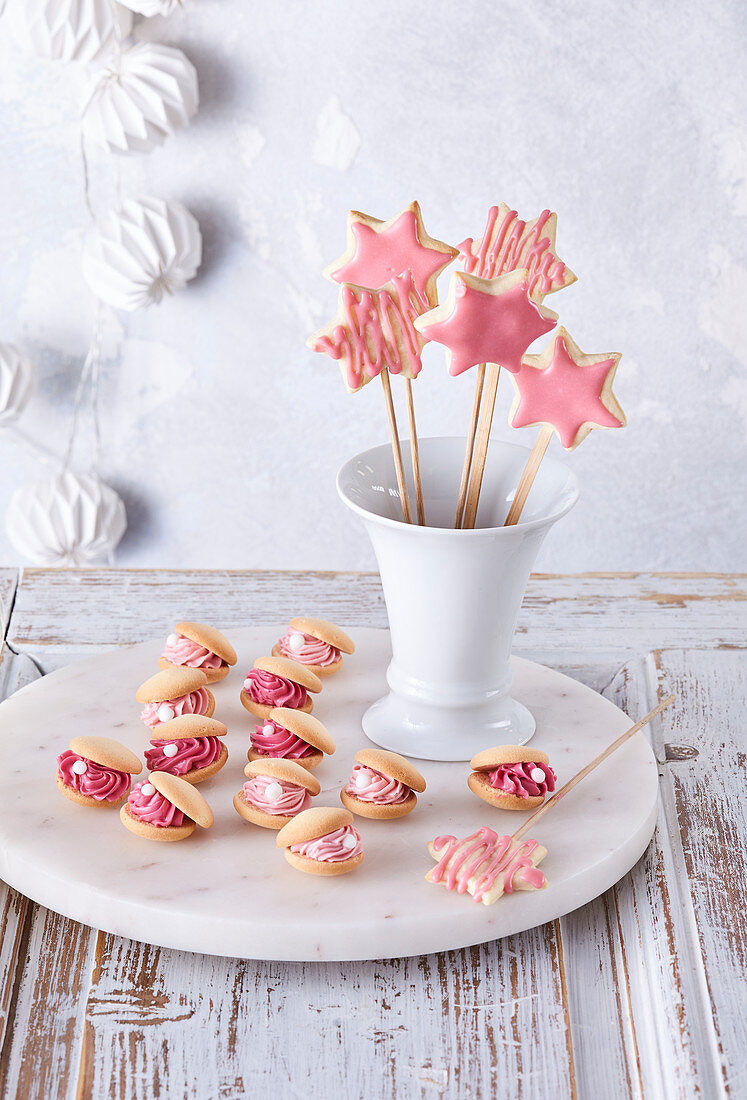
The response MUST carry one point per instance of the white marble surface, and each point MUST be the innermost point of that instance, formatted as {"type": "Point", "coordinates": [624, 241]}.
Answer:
{"type": "Point", "coordinates": [626, 118]}
{"type": "Point", "coordinates": [229, 891]}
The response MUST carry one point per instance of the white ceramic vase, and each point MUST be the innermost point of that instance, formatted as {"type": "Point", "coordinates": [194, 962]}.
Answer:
{"type": "Point", "coordinates": [452, 596]}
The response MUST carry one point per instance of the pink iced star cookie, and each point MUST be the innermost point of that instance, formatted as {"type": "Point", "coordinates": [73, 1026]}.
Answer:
{"type": "Point", "coordinates": [567, 390]}
{"type": "Point", "coordinates": [486, 865]}
{"type": "Point", "coordinates": [378, 251]}
{"type": "Point", "coordinates": [486, 321]}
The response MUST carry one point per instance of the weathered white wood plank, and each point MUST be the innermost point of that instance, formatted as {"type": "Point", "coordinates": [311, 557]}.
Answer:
{"type": "Point", "coordinates": [8, 582]}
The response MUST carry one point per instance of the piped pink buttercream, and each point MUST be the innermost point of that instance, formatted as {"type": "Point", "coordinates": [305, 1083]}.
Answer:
{"type": "Point", "coordinates": [153, 808]}
{"type": "Point", "coordinates": [292, 800]}
{"type": "Point", "coordinates": [279, 742]}
{"type": "Point", "coordinates": [312, 652]}
{"type": "Point", "coordinates": [103, 784]}
{"type": "Point", "coordinates": [192, 753]}
{"type": "Point", "coordinates": [274, 691]}
{"type": "Point", "coordinates": [196, 702]}
{"type": "Point", "coordinates": [330, 848]}
{"type": "Point", "coordinates": [381, 789]}
{"type": "Point", "coordinates": [190, 654]}
{"type": "Point", "coordinates": [517, 779]}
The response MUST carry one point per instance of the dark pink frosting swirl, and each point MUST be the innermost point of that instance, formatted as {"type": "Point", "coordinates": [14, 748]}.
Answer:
{"type": "Point", "coordinates": [192, 753]}
{"type": "Point", "coordinates": [274, 691]}
{"type": "Point", "coordinates": [331, 847]}
{"type": "Point", "coordinates": [103, 784]}
{"type": "Point", "coordinates": [381, 790]}
{"type": "Point", "coordinates": [279, 742]}
{"type": "Point", "coordinates": [191, 654]}
{"type": "Point", "coordinates": [292, 800]}
{"type": "Point", "coordinates": [517, 779]}
{"type": "Point", "coordinates": [197, 702]}
{"type": "Point", "coordinates": [153, 808]}
{"type": "Point", "coordinates": [312, 652]}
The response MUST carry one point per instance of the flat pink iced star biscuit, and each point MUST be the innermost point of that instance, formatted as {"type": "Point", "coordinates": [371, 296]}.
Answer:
{"type": "Point", "coordinates": [486, 321]}
{"type": "Point", "coordinates": [380, 250]}
{"type": "Point", "coordinates": [567, 390]}
{"type": "Point", "coordinates": [486, 865]}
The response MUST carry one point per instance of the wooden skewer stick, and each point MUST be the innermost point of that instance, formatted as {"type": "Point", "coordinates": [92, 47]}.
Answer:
{"type": "Point", "coordinates": [396, 449]}
{"type": "Point", "coordinates": [553, 801]}
{"type": "Point", "coordinates": [481, 446]}
{"type": "Point", "coordinates": [528, 475]}
{"type": "Point", "coordinates": [415, 453]}
{"type": "Point", "coordinates": [462, 499]}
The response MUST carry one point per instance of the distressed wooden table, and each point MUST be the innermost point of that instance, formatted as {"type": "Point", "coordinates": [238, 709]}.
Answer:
{"type": "Point", "coordinates": [640, 994]}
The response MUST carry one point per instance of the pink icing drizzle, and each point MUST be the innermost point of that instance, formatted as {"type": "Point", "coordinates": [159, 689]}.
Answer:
{"type": "Point", "coordinates": [192, 754]}
{"type": "Point", "coordinates": [103, 784]}
{"type": "Point", "coordinates": [563, 394]}
{"type": "Point", "coordinates": [511, 243]}
{"type": "Point", "coordinates": [291, 802]}
{"type": "Point", "coordinates": [196, 702]}
{"type": "Point", "coordinates": [486, 858]}
{"type": "Point", "coordinates": [382, 790]}
{"type": "Point", "coordinates": [275, 691]}
{"type": "Point", "coordinates": [329, 848]}
{"type": "Point", "coordinates": [281, 742]}
{"type": "Point", "coordinates": [313, 652]}
{"type": "Point", "coordinates": [153, 808]}
{"type": "Point", "coordinates": [381, 255]}
{"type": "Point", "coordinates": [517, 779]}
{"type": "Point", "coordinates": [189, 653]}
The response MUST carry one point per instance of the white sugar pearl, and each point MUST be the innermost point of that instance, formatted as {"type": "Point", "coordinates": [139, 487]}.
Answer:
{"type": "Point", "coordinates": [165, 713]}
{"type": "Point", "coordinates": [296, 643]}
{"type": "Point", "coordinates": [538, 775]}
{"type": "Point", "coordinates": [247, 684]}
{"type": "Point", "coordinates": [349, 842]}
{"type": "Point", "coordinates": [171, 749]}
{"type": "Point", "coordinates": [362, 780]}
{"type": "Point", "coordinates": [148, 788]}
{"type": "Point", "coordinates": [273, 792]}
{"type": "Point", "coordinates": [172, 639]}
{"type": "Point", "coordinates": [80, 767]}
{"type": "Point", "coordinates": [268, 730]}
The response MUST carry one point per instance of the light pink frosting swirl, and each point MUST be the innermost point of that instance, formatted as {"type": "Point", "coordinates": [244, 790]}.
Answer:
{"type": "Point", "coordinates": [103, 784]}
{"type": "Point", "coordinates": [196, 702]}
{"type": "Point", "coordinates": [191, 654]}
{"type": "Point", "coordinates": [192, 753]}
{"type": "Point", "coordinates": [312, 652]}
{"type": "Point", "coordinates": [517, 779]}
{"type": "Point", "coordinates": [330, 848]}
{"type": "Point", "coordinates": [153, 808]}
{"type": "Point", "coordinates": [280, 742]}
{"type": "Point", "coordinates": [291, 802]}
{"type": "Point", "coordinates": [274, 691]}
{"type": "Point", "coordinates": [382, 789]}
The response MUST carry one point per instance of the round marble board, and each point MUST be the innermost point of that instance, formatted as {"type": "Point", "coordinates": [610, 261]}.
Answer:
{"type": "Point", "coordinates": [229, 891]}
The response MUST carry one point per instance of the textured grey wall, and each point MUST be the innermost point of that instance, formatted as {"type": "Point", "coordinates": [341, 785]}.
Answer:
{"type": "Point", "coordinates": [223, 432]}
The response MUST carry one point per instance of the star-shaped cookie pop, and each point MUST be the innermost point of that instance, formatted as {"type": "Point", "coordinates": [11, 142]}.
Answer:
{"type": "Point", "coordinates": [567, 390]}
{"type": "Point", "coordinates": [486, 321]}
{"type": "Point", "coordinates": [378, 251]}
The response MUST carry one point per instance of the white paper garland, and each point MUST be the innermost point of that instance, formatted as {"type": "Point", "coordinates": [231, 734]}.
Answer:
{"type": "Point", "coordinates": [16, 383]}
{"type": "Point", "coordinates": [141, 97]}
{"type": "Point", "coordinates": [68, 519]}
{"type": "Point", "coordinates": [153, 7]}
{"type": "Point", "coordinates": [75, 30]}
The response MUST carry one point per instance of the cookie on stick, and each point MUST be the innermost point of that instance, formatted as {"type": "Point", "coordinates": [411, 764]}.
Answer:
{"type": "Point", "coordinates": [166, 808]}
{"type": "Point", "coordinates": [382, 785]}
{"type": "Point", "coordinates": [198, 645]}
{"type": "Point", "coordinates": [96, 771]}
{"type": "Point", "coordinates": [315, 643]}
{"type": "Point", "coordinates": [190, 746]}
{"type": "Point", "coordinates": [275, 792]}
{"type": "Point", "coordinates": [292, 735]}
{"type": "Point", "coordinates": [322, 841]}
{"type": "Point", "coordinates": [279, 682]}
{"type": "Point", "coordinates": [173, 692]}
{"type": "Point", "coordinates": [512, 777]}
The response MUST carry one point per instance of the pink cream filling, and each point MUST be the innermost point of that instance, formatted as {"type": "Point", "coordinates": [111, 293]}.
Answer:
{"type": "Point", "coordinates": [312, 652]}
{"type": "Point", "coordinates": [274, 691]}
{"type": "Point", "coordinates": [192, 753]}
{"type": "Point", "coordinates": [517, 779]}
{"type": "Point", "coordinates": [381, 789]}
{"type": "Point", "coordinates": [153, 808]}
{"type": "Point", "coordinates": [103, 784]}
{"type": "Point", "coordinates": [196, 702]}
{"type": "Point", "coordinates": [292, 800]}
{"type": "Point", "coordinates": [330, 848]}
{"type": "Point", "coordinates": [189, 653]}
{"type": "Point", "coordinates": [279, 742]}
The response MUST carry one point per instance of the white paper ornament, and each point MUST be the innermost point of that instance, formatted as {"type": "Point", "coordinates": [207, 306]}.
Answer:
{"type": "Point", "coordinates": [153, 7]}
{"type": "Point", "coordinates": [16, 383]}
{"type": "Point", "coordinates": [148, 248]}
{"type": "Point", "coordinates": [140, 98]}
{"type": "Point", "coordinates": [67, 519]}
{"type": "Point", "coordinates": [75, 30]}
